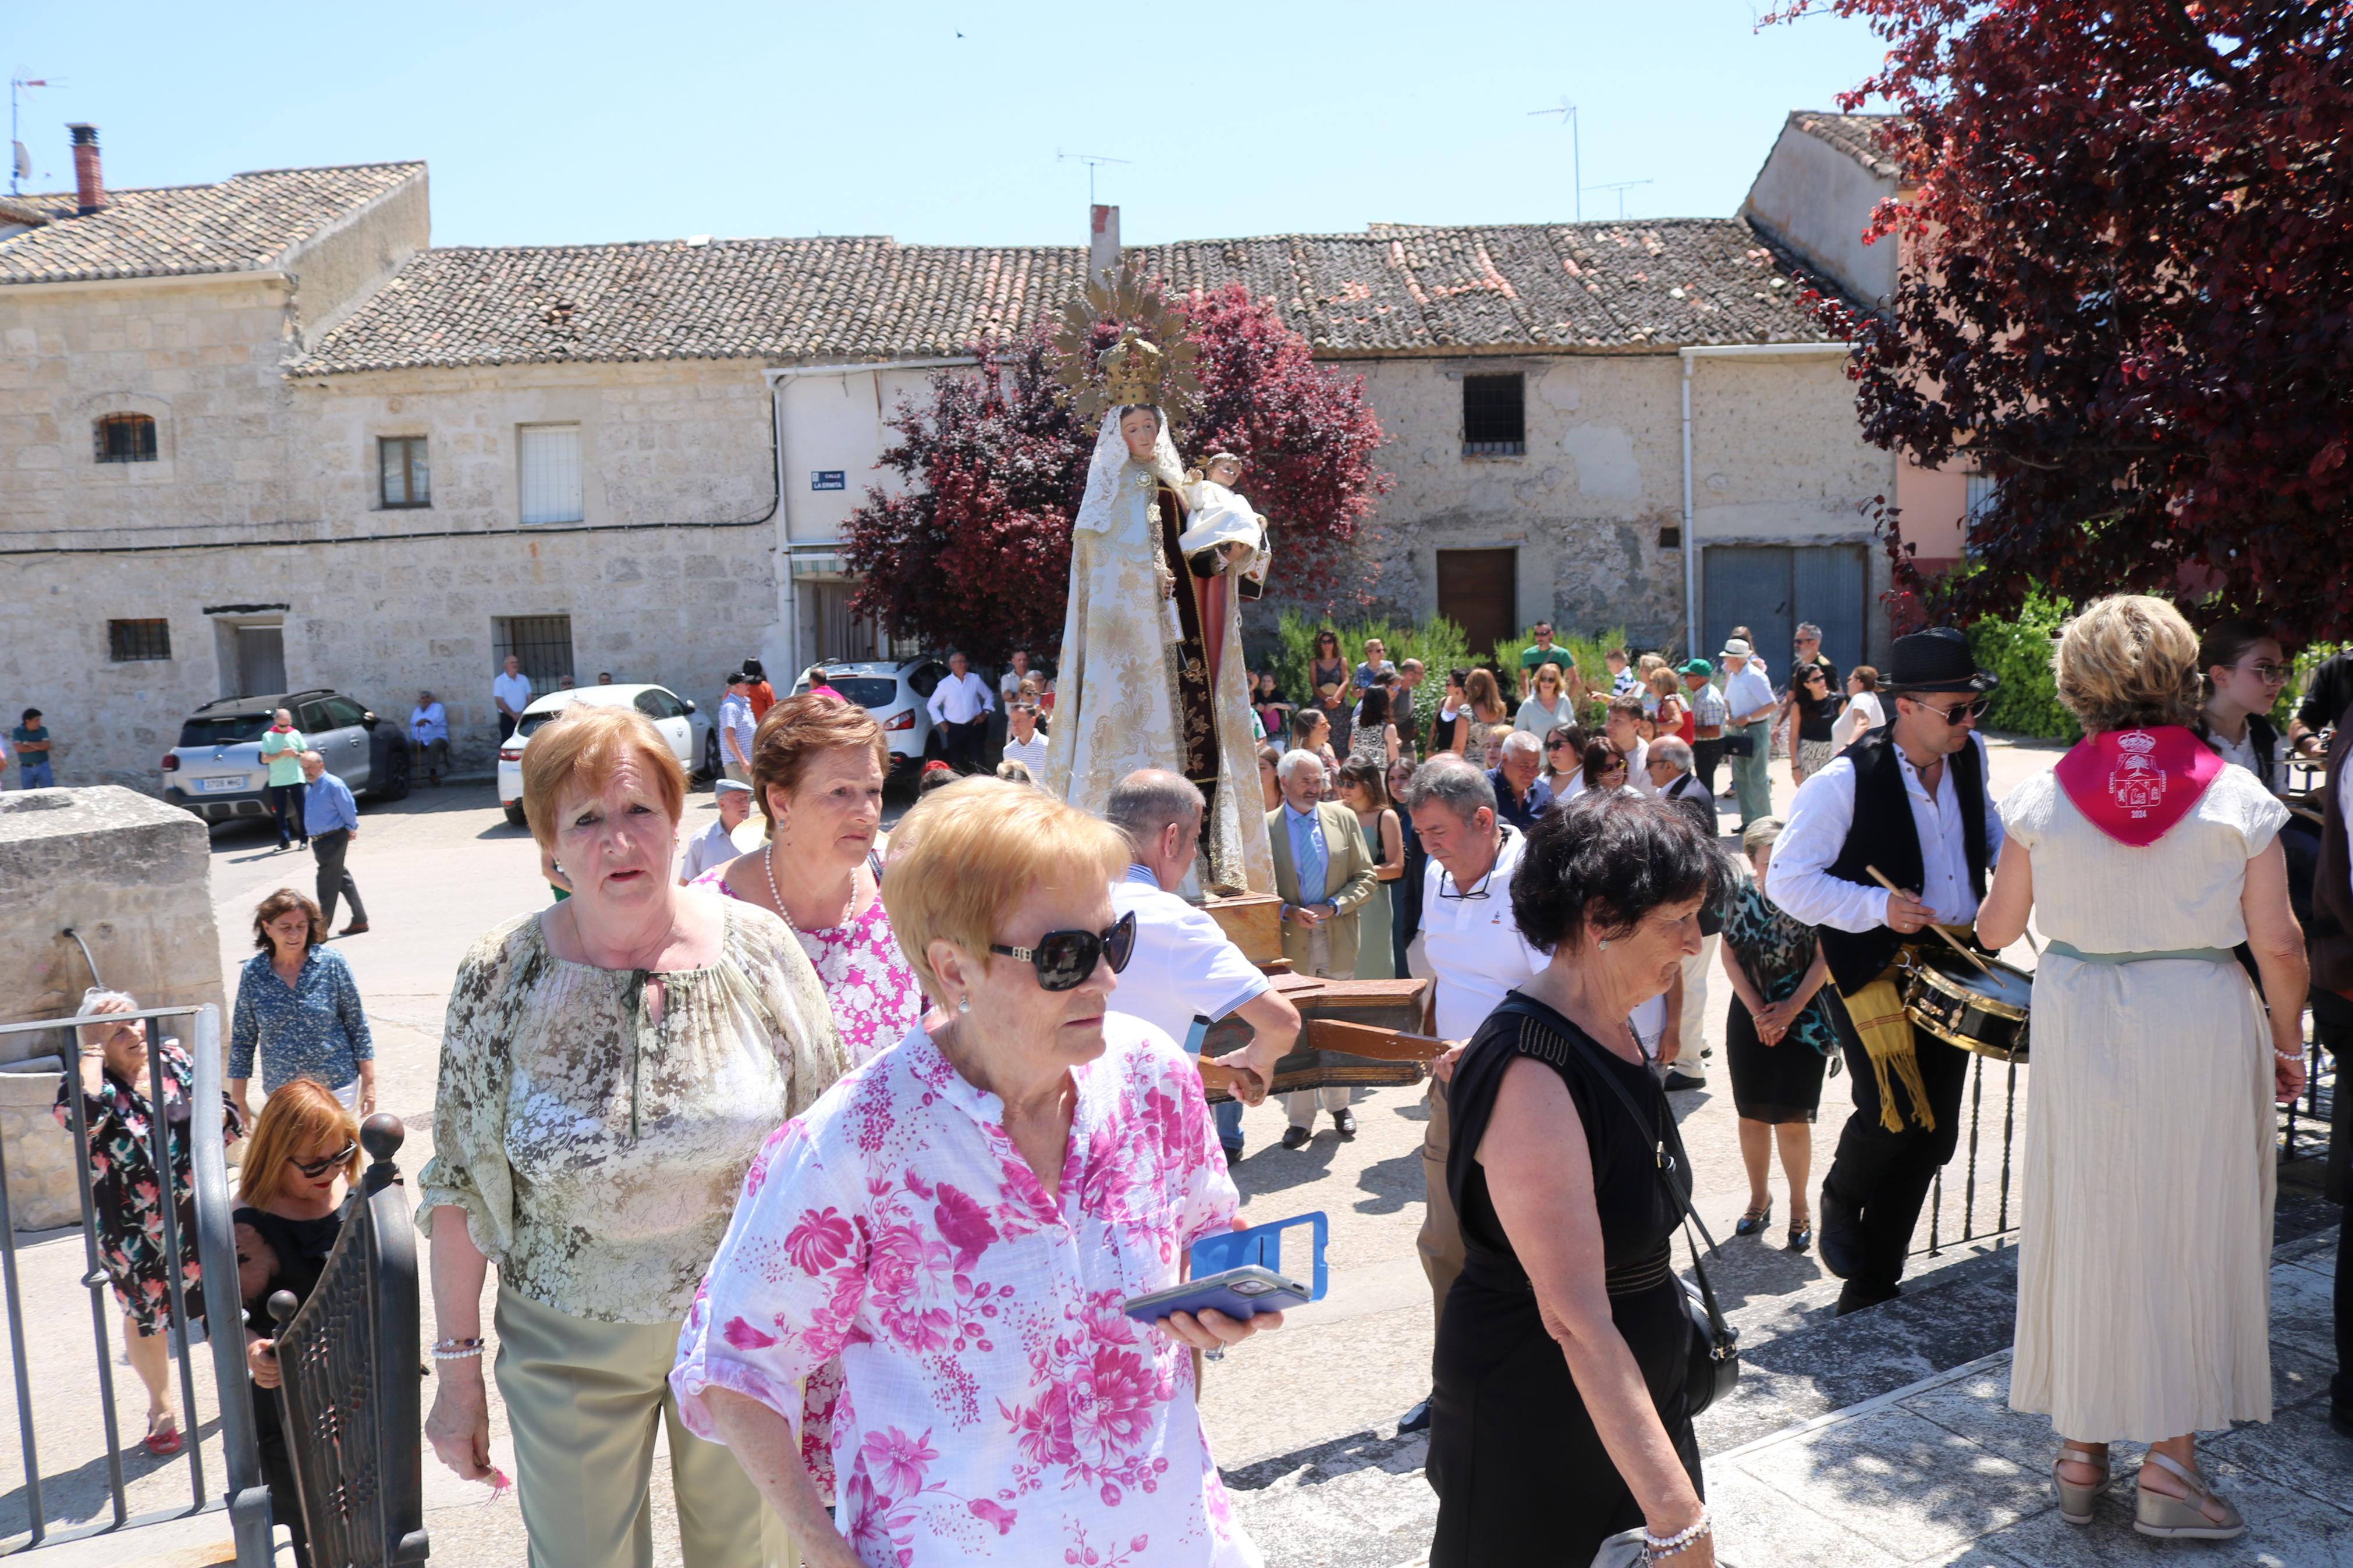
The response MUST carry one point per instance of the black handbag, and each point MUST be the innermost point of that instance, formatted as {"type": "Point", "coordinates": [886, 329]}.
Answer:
{"type": "Point", "coordinates": [1714, 1355]}
{"type": "Point", "coordinates": [1739, 743]}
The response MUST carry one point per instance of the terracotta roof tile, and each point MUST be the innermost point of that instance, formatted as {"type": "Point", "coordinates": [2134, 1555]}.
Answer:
{"type": "Point", "coordinates": [1395, 288]}
{"type": "Point", "coordinates": [1856, 135]}
{"type": "Point", "coordinates": [243, 224]}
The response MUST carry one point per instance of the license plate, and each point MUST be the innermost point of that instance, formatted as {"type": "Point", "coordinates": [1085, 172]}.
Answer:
{"type": "Point", "coordinates": [214, 787]}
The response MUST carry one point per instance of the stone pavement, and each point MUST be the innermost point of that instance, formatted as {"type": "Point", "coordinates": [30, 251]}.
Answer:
{"type": "Point", "coordinates": [1938, 1471]}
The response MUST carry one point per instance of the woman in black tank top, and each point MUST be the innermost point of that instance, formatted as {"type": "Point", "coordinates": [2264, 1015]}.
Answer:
{"type": "Point", "coordinates": [1557, 1418]}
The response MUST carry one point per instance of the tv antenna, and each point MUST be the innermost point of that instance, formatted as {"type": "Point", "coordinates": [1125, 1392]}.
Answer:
{"type": "Point", "coordinates": [1621, 187]}
{"type": "Point", "coordinates": [1568, 113]}
{"type": "Point", "coordinates": [20, 161]}
{"type": "Point", "coordinates": [1094, 160]}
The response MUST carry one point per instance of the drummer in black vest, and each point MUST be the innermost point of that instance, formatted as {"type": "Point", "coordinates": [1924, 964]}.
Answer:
{"type": "Point", "coordinates": [1909, 800]}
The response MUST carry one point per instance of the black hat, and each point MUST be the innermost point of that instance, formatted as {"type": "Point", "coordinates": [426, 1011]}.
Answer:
{"type": "Point", "coordinates": [1937, 659]}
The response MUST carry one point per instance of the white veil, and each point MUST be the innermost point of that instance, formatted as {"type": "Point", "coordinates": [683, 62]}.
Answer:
{"type": "Point", "coordinates": [1111, 456]}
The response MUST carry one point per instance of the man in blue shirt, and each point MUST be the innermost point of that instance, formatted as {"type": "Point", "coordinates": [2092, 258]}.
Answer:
{"type": "Point", "coordinates": [1520, 796]}
{"type": "Point", "coordinates": [332, 820]}
{"type": "Point", "coordinates": [30, 740]}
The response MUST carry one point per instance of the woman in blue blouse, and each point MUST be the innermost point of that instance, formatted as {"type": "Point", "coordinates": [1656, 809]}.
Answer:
{"type": "Point", "coordinates": [297, 1006]}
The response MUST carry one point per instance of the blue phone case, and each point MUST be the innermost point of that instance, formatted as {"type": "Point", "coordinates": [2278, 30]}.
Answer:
{"type": "Point", "coordinates": [1261, 1245]}
{"type": "Point", "coordinates": [1217, 1293]}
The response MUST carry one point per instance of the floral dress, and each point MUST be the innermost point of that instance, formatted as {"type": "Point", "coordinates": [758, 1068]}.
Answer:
{"type": "Point", "coordinates": [124, 1190]}
{"type": "Point", "coordinates": [999, 1405]}
{"type": "Point", "coordinates": [1782, 1083]}
{"type": "Point", "coordinates": [875, 996]}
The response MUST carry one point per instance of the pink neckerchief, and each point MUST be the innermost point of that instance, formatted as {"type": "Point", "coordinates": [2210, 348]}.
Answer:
{"type": "Point", "coordinates": [2135, 785]}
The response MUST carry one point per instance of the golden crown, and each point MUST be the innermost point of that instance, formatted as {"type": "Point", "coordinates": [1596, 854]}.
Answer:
{"type": "Point", "coordinates": [1132, 369]}
{"type": "Point", "coordinates": [1151, 361]}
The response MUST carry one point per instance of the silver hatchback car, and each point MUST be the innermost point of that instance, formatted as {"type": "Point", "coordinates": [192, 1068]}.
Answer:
{"type": "Point", "coordinates": [216, 771]}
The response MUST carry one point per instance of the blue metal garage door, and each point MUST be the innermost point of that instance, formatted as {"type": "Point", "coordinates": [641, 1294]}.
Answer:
{"type": "Point", "coordinates": [1770, 588]}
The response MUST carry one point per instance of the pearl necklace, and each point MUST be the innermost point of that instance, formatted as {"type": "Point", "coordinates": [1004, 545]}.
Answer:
{"type": "Point", "coordinates": [769, 865]}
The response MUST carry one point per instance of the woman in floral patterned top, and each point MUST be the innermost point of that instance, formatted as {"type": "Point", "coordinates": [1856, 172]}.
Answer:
{"type": "Point", "coordinates": [817, 768]}
{"type": "Point", "coordinates": [959, 1222]}
{"type": "Point", "coordinates": [125, 1189]}
{"type": "Point", "coordinates": [610, 1070]}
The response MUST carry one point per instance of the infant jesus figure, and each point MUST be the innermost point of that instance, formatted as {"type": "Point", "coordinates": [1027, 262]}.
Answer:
{"type": "Point", "coordinates": [1225, 547]}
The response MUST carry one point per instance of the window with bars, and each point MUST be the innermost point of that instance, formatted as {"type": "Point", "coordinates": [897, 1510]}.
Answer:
{"type": "Point", "coordinates": [123, 438]}
{"type": "Point", "coordinates": [403, 478]}
{"type": "Point", "coordinates": [541, 642]}
{"type": "Point", "coordinates": [131, 642]}
{"type": "Point", "coordinates": [548, 472]}
{"type": "Point", "coordinates": [1494, 415]}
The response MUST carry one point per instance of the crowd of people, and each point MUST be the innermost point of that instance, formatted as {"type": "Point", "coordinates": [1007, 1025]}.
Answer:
{"type": "Point", "coordinates": [837, 1158]}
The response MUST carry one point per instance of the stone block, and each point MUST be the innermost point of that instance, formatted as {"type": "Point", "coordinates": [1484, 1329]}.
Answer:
{"type": "Point", "coordinates": [127, 876]}
{"type": "Point", "coordinates": [43, 1191]}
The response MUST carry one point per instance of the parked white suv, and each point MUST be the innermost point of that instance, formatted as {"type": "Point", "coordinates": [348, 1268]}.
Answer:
{"type": "Point", "coordinates": [897, 692]}
{"type": "Point", "coordinates": [689, 734]}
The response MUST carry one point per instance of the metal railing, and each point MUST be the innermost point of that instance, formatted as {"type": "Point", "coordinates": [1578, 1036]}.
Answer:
{"type": "Point", "coordinates": [349, 1399]}
{"type": "Point", "coordinates": [248, 1500]}
{"type": "Point", "coordinates": [2304, 1121]}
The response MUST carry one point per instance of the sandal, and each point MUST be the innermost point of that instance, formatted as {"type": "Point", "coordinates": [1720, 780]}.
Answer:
{"type": "Point", "coordinates": [164, 1443]}
{"type": "Point", "coordinates": [2183, 1519]}
{"type": "Point", "coordinates": [1753, 1221]}
{"type": "Point", "coordinates": [2076, 1503]}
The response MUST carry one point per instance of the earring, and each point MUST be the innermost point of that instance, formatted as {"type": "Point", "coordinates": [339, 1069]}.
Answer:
{"type": "Point", "coordinates": [1604, 946]}
{"type": "Point", "coordinates": [963, 1003]}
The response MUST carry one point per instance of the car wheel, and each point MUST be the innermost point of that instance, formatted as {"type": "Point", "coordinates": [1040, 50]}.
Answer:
{"type": "Point", "coordinates": [711, 768]}
{"type": "Point", "coordinates": [515, 816]}
{"type": "Point", "coordinates": [396, 776]}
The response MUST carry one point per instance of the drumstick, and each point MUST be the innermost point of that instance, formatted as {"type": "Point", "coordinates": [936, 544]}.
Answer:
{"type": "Point", "coordinates": [2309, 815]}
{"type": "Point", "coordinates": [1950, 941]}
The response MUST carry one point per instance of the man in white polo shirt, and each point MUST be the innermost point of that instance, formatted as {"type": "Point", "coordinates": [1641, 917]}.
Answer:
{"type": "Point", "coordinates": [1476, 955]}
{"type": "Point", "coordinates": [1185, 974]}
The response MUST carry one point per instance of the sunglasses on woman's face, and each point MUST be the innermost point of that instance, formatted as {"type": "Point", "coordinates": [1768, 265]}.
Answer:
{"type": "Point", "coordinates": [315, 1169]}
{"type": "Point", "coordinates": [2270, 674]}
{"type": "Point", "coordinates": [1063, 959]}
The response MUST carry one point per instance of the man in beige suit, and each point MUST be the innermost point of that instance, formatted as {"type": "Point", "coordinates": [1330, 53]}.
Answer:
{"type": "Point", "coordinates": [1323, 874]}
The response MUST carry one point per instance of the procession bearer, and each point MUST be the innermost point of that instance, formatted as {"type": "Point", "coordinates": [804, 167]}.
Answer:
{"type": "Point", "coordinates": [1910, 801]}
{"type": "Point", "coordinates": [1185, 974]}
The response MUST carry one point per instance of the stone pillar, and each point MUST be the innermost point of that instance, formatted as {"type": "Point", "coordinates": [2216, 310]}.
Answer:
{"type": "Point", "coordinates": [130, 879]}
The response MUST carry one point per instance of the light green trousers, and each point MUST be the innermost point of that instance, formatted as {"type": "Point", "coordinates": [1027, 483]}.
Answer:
{"type": "Point", "coordinates": [584, 1399]}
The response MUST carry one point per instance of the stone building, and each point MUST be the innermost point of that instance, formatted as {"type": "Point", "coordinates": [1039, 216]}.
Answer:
{"type": "Point", "coordinates": [263, 435]}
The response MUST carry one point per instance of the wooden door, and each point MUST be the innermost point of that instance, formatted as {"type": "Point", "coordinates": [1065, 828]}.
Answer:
{"type": "Point", "coordinates": [1479, 590]}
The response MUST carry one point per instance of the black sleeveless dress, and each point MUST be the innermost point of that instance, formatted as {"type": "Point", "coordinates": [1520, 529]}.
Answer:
{"type": "Point", "coordinates": [1521, 1475]}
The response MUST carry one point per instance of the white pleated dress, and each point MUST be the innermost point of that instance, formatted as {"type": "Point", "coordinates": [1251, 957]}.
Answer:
{"type": "Point", "coordinates": [2145, 1239]}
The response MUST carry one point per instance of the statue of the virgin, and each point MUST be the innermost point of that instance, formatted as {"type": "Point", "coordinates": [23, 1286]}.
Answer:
{"type": "Point", "coordinates": [1140, 684]}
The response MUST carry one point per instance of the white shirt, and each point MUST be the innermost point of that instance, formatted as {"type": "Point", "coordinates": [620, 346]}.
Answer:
{"type": "Point", "coordinates": [710, 848]}
{"type": "Point", "coordinates": [1475, 949]}
{"type": "Point", "coordinates": [960, 699]}
{"type": "Point", "coordinates": [1747, 692]}
{"type": "Point", "coordinates": [1030, 753]}
{"type": "Point", "coordinates": [2243, 751]}
{"type": "Point", "coordinates": [1008, 685]}
{"type": "Point", "coordinates": [428, 724]}
{"type": "Point", "coordinates": [1638, 769]}
{"type": "Point", "coordinates": [1184, 966]}
{"type": "Point", "coordinates": [515, 690]}
{"type": "Point", "coordinates": [1799, 877]}
{"type": "Point", "coordinates": [736, 724]}
{"type": "Point", "coordinates": [1862, 713]}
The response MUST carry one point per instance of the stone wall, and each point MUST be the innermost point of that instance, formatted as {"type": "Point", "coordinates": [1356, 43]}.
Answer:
{"type": "Point", "coordinates": [132, 877]}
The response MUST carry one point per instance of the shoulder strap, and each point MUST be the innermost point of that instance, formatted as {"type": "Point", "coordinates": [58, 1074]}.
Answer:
{"type": "Point", "coordinates": [1520, 1007]}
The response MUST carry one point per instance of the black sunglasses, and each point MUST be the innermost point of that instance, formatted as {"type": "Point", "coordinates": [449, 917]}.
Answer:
{"type": "Point", "coordinates": [315, 1169]}
{"type": "Point", "coordinates": [1065, 958]}
{"type": "Point", "coordinates": [1973, 709]}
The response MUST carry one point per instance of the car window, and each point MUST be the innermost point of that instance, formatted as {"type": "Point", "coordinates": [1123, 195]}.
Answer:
{"type": "Point", "coordinates": [343, 712]}
{"type": "Point", "coordinates": [924, 677]}
{"type": "Point", "coordinates": [656, 703]}
{"type": "Point", "coordinates": [874, 691]}
{"type": "Point", "coordinates": [311, 719]}
{"type": "Point", "coordinates": [225, 729]}
{"type": "Point", "coordinates": [531, 724]}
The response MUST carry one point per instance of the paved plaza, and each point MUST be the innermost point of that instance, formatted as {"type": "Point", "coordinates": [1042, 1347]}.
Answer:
{"type": "Point", "coordinates": [1877, 1439]}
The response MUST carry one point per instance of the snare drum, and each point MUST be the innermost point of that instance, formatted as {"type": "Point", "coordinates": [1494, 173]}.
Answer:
{"type": "Point", "coordinates": [1953, 1000]}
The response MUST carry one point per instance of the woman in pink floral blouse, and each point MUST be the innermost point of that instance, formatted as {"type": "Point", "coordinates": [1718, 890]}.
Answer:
{"type": "Point", "coordinates": [817, 767]}
{"type": "Point", "coordinates": [959, 1222]}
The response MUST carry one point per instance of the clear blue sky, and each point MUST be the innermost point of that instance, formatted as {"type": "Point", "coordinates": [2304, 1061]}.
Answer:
{"type": "Point", "coordinates": [940, 123]}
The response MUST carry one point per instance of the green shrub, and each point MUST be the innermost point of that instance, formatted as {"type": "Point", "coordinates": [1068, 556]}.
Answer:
{"type": "Point", "coordinates": [1437, 642]}
{"type": "Point", "coordinates": [2019, 651]}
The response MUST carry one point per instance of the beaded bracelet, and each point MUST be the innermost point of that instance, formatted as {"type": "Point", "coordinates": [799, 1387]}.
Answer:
{"type": "Point", "coordinates": [2288, 1055]}
{"type": "Point", "coordinates": [456, 1350]}
{"type": "Point", "coordinates": [1655, 1547]}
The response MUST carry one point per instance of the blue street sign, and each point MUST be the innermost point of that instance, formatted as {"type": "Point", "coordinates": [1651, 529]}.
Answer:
{"type": "Point", "coordinates": [829, 480]}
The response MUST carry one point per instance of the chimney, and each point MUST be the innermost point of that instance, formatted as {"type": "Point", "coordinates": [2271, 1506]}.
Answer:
{"type": "Point", "coordinates": [90, 188]}
{"type": "Point", "coordinates": [1103, 237]}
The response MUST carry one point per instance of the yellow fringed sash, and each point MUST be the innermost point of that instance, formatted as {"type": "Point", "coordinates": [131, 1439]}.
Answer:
{"type": "Point", "coordinates": [1877, 1012]}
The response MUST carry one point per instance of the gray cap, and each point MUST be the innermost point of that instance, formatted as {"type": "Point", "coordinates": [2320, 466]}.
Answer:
{"type": "Point", "coordinates": [728, 787]}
